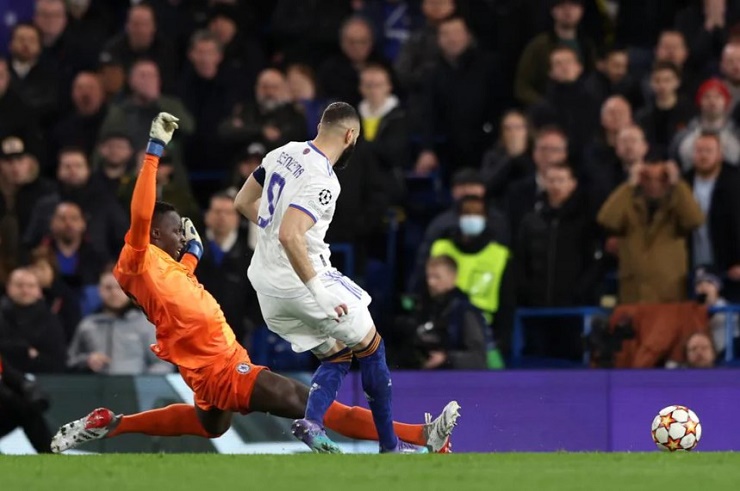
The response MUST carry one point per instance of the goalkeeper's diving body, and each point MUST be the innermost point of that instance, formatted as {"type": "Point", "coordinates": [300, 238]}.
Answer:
{"type": "Point", "coordinates": [156, 269]}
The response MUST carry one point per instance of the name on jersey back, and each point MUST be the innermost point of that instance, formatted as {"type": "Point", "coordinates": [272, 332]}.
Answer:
{"type": "Point", "coordinates": [290, 164]}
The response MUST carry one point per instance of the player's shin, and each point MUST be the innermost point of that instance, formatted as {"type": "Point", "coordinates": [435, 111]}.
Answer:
{"type": "Point", "coordinates": [376, 382]}
{"type": "Point", "coordinates": [326, 383]}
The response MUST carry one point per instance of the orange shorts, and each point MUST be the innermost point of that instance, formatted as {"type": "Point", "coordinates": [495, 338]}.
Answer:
{"type": "Point", "coordinates": [226, 384]}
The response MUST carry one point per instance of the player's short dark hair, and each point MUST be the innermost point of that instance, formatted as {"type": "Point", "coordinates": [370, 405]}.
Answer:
{"type": "Point", "coordinates": [443, 260]}
{"type": "Point", "coordinates": [660, 66]}
{"type": "Point", "coordinates": [339, 111]}
{"type": "Point", "coordinates": [161, 208]}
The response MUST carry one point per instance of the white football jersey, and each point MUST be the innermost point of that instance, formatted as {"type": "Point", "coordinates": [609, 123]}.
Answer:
{"type": "Point", "coordinates": [297, 175]}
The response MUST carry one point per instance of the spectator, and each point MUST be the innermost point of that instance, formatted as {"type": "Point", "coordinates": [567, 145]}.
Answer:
{"type": "Point", "coordinates": [361, 207]}
{"type": "Point", "coordinates": [446, 330]}
{"type": "Point", "coordinates": [304, 94]}
{"type": "Point", "coordinates": [79, 262]}
{"type": "Point", "coordinates": [35, 79]}
{"type": "Point", "coordinates": [271, 120]}
{"type": "Point", "coordinates": [603, 177]}
{"type": "Point", "coordinates": [700, 352]}
{"type": "Point", "coordinates": [612, 77]}
{"type": "Point", "coordinates": [81, 126]}
{"type": "Point", "coordinates": [566, 101]}
{"type": "Point", "coordinates": [730, 69]}
{"type": "Point", "coordinates": [669, 111]}
{"type": "Point", "coordinates": [558, 258]}
{"type": "Point", "coordinates": [247, 162]}
{"type": "Point", "coordinates": [21, 187]}
{"type": "Point", "coordinates": [509, 159]}
{"type": "Point", "coordinates": [706, 25]}
{"type": "Point", "coordinates": [483, 267]}
{"type": "Point", "coordinates": [550, 147]}
{"type": "Point", "coordinates": [134, 115]}
{"type": "Point", "coordinates": [31, 338]}
{"type": "Point", "coordinates": [460, 102]}
{"type": "Point", "coordinates": [16, 116]}
{"type": "Point", "coordinates": [116, 340]}
{"type": "Point", "coordinates": [385, 135]}
{"type": "Point", "coordinates": [558, 246]}
{"type": "Point", "coordinates": [713, 100]}
{"type": "Point", "coordinates": [466, 182]}
{"type": "Point", "coordinates": [616, 114]}
{"type": "Point", "coordinates": [226, 257]}
{"type": "Point", "coordinates": [60, 298]}
{"type": "Point", "coordinates": [339, 76]}
{"type": "Point", "coordinates": [671, 48]}
{"type": "Point", "coordinates": [105, 217]}
{"type": "Point", "coordinates": [531, 77]}
{"type": "Point", "coordinates": [419, 53]}
{"type": "Point", "coordinates": [22, 404]}
{"type": "Point", "coordinates": [140, 39]}
{"type": "Point", "coordinates": [113, 77]}
{"type": "Point", "coordinates": [243, 59]}
{"type": "Point", "coordinates": [653, 213]}
{"type": "Point", "coordinates": [115, 164]}
{"type": "Point", "coordinates": [717, 241]}
{"type": "Point", "coordinates": [64, 46]}
{"type": "Point", "coordinates": [208, 94]}
{"type": "Point", "coordinates": [708, 288]}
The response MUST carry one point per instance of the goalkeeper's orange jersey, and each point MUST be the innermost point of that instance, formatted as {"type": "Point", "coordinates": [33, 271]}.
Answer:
{"type": "Point", "coordinates": [191, 329]}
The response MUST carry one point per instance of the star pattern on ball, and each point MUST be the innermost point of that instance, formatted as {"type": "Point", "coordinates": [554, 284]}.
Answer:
{"type": "Point", "coordinates": [665, 421]}
{"type": "Point", "coordinates": [690, 426]}
{"type": "Point", "coordinates": [672, 444]}
{"type": "Point", "coordinates": [325, 197]}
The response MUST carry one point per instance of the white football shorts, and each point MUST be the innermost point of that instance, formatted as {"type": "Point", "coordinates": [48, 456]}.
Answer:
{"type": "Point", "coordinates": [302, 323]}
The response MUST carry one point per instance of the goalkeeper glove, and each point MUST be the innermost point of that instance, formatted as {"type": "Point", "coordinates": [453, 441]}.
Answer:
{"type": "Point", "coordinates": [193, 243]}
{"type": "Point", "coordinates": [160, 133]}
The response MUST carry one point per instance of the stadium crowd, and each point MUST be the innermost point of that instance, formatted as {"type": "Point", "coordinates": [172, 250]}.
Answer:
{"type": "Point", "coordinates": [514, 153]}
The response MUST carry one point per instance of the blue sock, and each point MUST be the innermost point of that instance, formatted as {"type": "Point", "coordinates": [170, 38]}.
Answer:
{"type": "Point", "coordinates": [376, 382]}
{"type": "Point", "coordinates": [325, 384]}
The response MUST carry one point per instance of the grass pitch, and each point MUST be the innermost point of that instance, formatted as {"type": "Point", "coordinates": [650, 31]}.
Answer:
{"type": "Point", "coordinates": [490, 472]}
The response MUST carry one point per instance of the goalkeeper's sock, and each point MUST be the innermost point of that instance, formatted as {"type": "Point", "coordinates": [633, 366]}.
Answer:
{"type": "Point", "coordinates": [357, 423]}
{"type": "Point", "coordinates": [376, 382]}
{"type": "Point", "coordinates": [173, 420]}
{"type": "Point", "coordinates": [325, 384]}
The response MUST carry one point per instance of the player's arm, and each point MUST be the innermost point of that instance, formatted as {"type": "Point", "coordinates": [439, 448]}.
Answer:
{"type": "Point", "coordinates": [247, 201]}
{"type": "Point", "coordinates": [292, 235]}
{"type": "Point", "coordinates": [145, 190]}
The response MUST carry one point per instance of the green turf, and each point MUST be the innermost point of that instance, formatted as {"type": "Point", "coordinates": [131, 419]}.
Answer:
{"type": "Point", "coordinates": [492, 472]}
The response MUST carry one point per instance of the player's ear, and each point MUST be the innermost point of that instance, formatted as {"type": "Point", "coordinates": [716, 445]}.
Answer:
{"type": "Point", "coordinates": [154, 233]}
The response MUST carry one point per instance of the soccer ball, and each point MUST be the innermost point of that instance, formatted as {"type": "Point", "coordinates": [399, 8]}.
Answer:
{"type": "Point", "coordinates": [676, 428]}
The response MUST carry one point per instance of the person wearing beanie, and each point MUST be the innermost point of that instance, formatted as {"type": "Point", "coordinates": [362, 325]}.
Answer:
{"type": "Point", "coordinates": [708, 291]}
{"type": "Point", "coordinates": [714, 101]}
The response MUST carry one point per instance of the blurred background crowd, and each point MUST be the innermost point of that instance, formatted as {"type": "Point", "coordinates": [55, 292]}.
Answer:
{"type": "Point", "coordinates": [515, 154]}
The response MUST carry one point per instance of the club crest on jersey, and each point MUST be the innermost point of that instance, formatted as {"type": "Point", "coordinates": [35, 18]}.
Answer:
{"type": "Point", "coordinates": [243, 368]}
{"type": "Point", "coordinates": [324, 196]}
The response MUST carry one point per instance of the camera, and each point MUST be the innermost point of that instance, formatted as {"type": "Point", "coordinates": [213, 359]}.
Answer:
{"type": "Point", "coordinates": [604, 343]}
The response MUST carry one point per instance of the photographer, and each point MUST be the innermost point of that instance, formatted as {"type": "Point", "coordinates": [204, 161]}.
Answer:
{"type": "Point", "coordinates": [447, 331]}
{"type": "Point", "coordinates": [23, 404]}
{"type": "Point", "coordinates": [653, 213]}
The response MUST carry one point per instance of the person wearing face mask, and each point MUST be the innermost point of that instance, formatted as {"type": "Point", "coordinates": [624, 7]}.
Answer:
{"type": "Point", "coordinates": [465, 182]}
{"type": "Point", "coordinates": [558, 262]}
{"type": "Point", "coordinates": [483, 267]}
